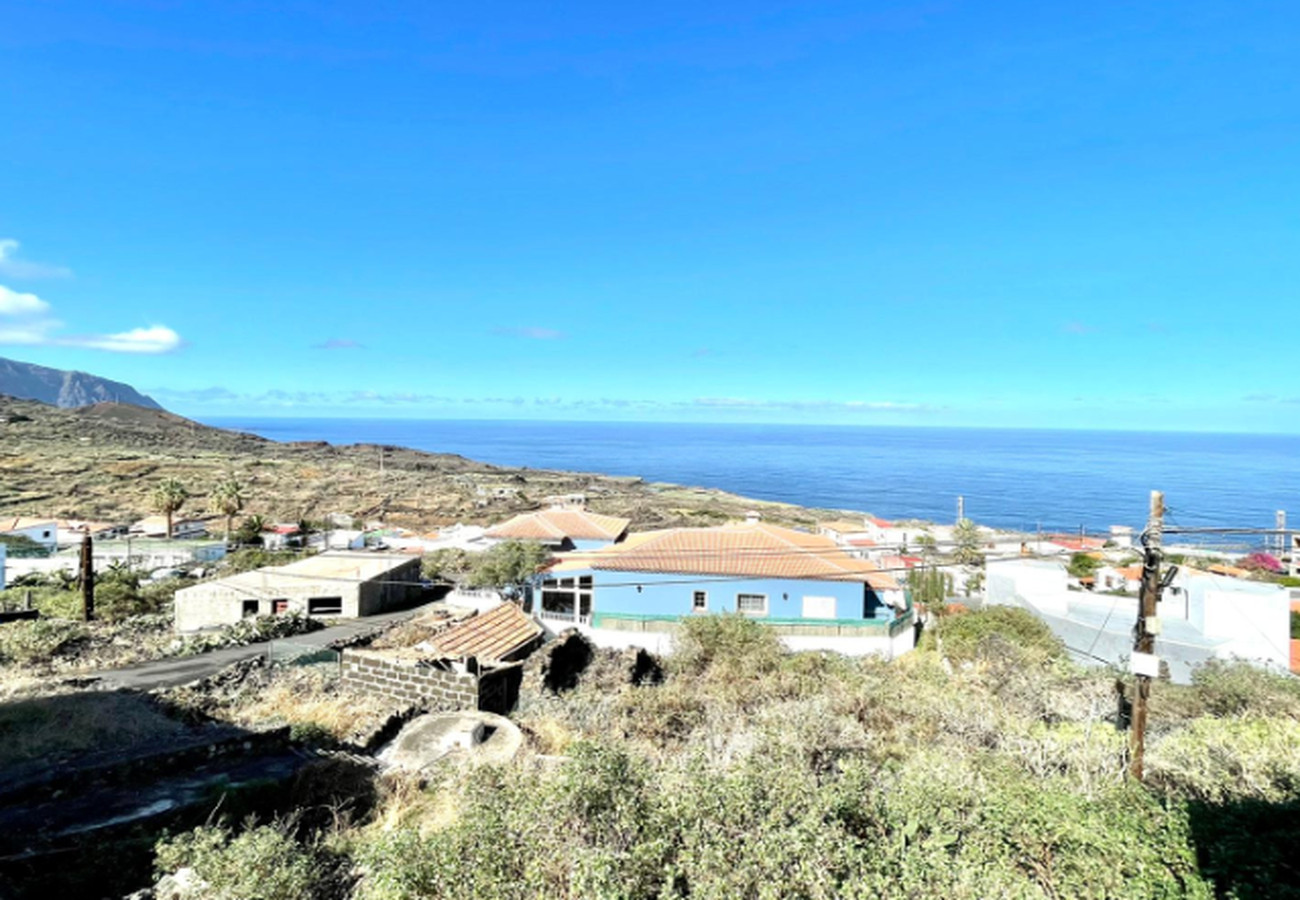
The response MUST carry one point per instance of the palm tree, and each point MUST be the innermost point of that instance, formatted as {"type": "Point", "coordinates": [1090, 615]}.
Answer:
{"type": "Point", "coordinates": [228, 499]}
{"type": "Point", "coordinates": [168, 498]}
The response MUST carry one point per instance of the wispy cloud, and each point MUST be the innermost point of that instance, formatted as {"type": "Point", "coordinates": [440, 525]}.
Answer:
{"type": "Point", "coordinates": [828, 405]}
{"type": "Point", "coordinates": [1259, 398]}
{"type": "Point", "coordinates": [26, 320]}
{"type": "Point", "coordinates": [532, 333]}
{"type": "Point", "coordinates": [13, 267]}
{"type": "Point", "coordinates": [338, 344]}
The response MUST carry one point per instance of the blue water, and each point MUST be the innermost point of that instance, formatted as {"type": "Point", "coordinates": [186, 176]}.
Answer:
{"type": "Point", "coordinates": [1010, 478]}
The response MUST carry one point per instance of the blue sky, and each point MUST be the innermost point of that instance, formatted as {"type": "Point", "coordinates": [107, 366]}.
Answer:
{"type": "Point", "coordinates": [948, 213]}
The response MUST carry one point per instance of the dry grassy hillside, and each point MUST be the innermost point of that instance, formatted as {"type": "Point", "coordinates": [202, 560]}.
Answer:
{"type": "Point", "coordinates": [101, 462]}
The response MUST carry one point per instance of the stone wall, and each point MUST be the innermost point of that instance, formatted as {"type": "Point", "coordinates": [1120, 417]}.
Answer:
{"type": "Point", "coordinates": [409, 680]}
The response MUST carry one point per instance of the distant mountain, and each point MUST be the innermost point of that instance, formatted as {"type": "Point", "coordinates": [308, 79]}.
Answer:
{"type": "Point", "coordinates": [67, 389]}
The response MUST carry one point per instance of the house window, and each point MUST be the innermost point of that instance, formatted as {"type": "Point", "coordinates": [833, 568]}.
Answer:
{"type": "Point", "coordinates": [561, 596]}
{"type": "Point", "coordinates": [250, 608]}
{"type": "Point", "coordinates": [751, 604]}
{"type": "Point", "coordinates": [700, 601]}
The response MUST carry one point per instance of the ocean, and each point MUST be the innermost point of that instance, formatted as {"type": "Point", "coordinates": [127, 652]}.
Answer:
{"type": "Point", "coordinates": [1021, 479]}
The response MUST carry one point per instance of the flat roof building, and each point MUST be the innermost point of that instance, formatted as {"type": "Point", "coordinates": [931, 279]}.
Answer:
{"type": "Point", "coordinates": [336, 584]}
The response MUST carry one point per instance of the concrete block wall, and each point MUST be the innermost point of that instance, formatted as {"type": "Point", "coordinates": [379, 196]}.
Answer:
{"type": "Point", "coordinates": [409, 680]}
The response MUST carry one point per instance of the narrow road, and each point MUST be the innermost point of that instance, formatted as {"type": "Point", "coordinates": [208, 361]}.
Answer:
{"type": "Point", "coordinates": [163, 673]}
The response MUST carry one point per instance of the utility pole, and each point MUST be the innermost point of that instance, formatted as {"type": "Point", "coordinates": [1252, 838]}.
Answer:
{"type": "Point", "coordinates": [87, 578]}
{"type": "Point", "coordinates": [961, 507]}
{"type": "Point", "coordinates": [1280, 540]}
{"type": "Point", "coordinates": [1144, 663]}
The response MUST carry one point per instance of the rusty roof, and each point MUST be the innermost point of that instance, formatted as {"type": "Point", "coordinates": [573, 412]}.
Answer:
{"type": "Point", "coordinates": [494, 634]}
{"type": "Point", "coordinates": [754, 549]}
{"type": "Point", "coordinates": [557, 524]}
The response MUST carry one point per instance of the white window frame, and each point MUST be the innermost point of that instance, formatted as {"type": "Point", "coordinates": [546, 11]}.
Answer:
{"type": "Point", "coordinates": [696, 607]}
{"type": "Point", "coordinates": [757, 615]}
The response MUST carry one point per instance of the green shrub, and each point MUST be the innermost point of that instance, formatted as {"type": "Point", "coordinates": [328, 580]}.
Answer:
{"type": "Point", "coordinates": [1236, 687]}
{"type": "Point", "coordinates": [995, 631]}
{"type": "Point", "coordinates": [36, 641]}
{"type": "Point", "coordinates": [1232, 759]}
{"type": "Point", "coordinates": [251, 631]}
{"type": "Point", "coordinates": [261, 863]}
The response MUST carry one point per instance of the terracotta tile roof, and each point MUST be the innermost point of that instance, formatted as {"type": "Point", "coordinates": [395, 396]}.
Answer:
{"type": "Point", "coordinates": [1130, 573]}
{"type": "Point", "coordinates": [557, 524]}
{"type": "Point", "coordinates": [844, 526]}
{"type": "Point", "coordinates": [492, 635]}
{"type": "Point", "coordinates": [753, 550]}
{"type": "Point", "coordinates": [15, 523]}
{"type": "Point", "coordinates": [1076, 543]}
{"type": "Point", "coordinates": [880, 523]}
{"type": "Point", "coordinates": [861, 542]}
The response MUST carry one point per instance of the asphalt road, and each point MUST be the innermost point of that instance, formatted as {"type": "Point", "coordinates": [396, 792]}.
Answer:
{"type": "Point", "coordinates": [163, 673]}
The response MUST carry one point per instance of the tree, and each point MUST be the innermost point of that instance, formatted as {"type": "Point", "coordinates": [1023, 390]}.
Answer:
{"type": "Point", "coordinates": [926, 543]}
{"type": "Point", "coordinates": [967, 540]}
{"type": "Point", "coordinates": [1082, 565]}
{"type": "Point", "coordinates": [250, 530]}
{"type": "Point", "coordinates": [930, 588]}
{"type": "Point", "coordinates": [168, 498]}
{"type": "Point", "coordinates": [508, 565]}
{"type": "Point", "coordinates": [228, 499]}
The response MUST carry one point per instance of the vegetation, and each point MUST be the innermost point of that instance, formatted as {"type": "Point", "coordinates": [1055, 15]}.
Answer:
{"type": "Point", "coordinates": [1083, 565]}
{"type": "Point", "coordinates": [930, 587]}
{"type": "Point", "coordinates": [227, 498]}
{"type": "Point", "coordinates": [967, 542]}
{"type": "Point", "coordinates": [993, 770]}
{"type": "Point", "coordinates": [20, 545]}
{"type": "Point", "coordinates": [504, 567]}
{"type": "Point", "coordinates": [168, 498]}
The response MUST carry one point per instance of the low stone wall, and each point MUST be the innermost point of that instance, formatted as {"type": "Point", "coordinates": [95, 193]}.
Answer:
{"type": "Point", "coordinates": [409, 680]}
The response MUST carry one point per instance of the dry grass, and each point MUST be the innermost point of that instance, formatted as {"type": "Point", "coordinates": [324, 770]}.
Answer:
{"type": "Point", "coordinates": [53, 727]}
{"type": "Point", "coordinates": [309, 700]}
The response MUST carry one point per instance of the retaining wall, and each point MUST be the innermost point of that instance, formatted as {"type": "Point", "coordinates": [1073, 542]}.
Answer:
{"type": "Point", "coordinates": [435, 688]}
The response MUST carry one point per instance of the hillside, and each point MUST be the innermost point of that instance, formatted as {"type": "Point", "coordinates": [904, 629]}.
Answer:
{"type": "Point", "coordinates": [58, 387]}
{"type": "Point", "coordinates": [101, 462]}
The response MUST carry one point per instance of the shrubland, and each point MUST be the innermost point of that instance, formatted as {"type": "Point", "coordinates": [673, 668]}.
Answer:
{"type": "Point", "coordinates": [984, 764]}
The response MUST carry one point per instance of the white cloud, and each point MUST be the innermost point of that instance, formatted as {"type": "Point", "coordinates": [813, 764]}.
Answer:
{"type": "Point", "coordinates": [155, 339]}
{"type": "Point", "coordinates": [14, 303]}
{"type": "Point", "coordinates": [22, 268]}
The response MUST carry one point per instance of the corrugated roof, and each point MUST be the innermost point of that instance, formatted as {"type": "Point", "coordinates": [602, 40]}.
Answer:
{"type": "Point", "coordinates": [557, 524]}
{"type": "Point", "coordinates": [492, 635]}
{"type": "Point", "coordinates": [755, 550]}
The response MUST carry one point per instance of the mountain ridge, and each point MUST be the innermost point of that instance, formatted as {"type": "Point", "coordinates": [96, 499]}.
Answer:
{"type": "Point", "coordinates": [64, 388]}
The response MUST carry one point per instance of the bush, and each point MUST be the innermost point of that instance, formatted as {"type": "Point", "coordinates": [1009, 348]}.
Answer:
{"type": "Point", "coordinates": [36, 641]}
{"type": "Point", "coordinates": [999, 630]}
{"type": "Point", "coordinates": [261, 863]}
{"type": "Point", "coordinates": [1237, 687]}
{"type": "Point", "coordinates": [251, 631]}
{"type": "Point", "coordinates": [1231, 759]}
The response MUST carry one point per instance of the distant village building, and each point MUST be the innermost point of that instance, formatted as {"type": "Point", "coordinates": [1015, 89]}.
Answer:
{"type": "Point", "coordinates": [156, 527]}
{"type": "Point", "coordinates": [71, 531]}
{"type": "Point", "coordinates": [636, 593]}
{"type": "Point", "coordinates": [562, 529]}
{"type": "Point", "coordinates": [333, 584]}
{"type": "Point", "coordinates": [1202, 616]}
{"type": "Point", "coordinates": [44, 532]}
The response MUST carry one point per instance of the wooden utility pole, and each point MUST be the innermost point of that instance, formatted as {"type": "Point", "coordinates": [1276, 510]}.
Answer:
{"type": "Point", "coordinates": [1144, 632]}
{"type": "Point", "coordinates": [87, 578]}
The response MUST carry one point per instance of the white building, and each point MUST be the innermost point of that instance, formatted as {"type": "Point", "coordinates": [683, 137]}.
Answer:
{"type": "Point", "coordinates": [333, 584]}
{"type": "Point", "coordinates": [156, 527]}
{"type": "Point", "coordinates": [1202, 616]}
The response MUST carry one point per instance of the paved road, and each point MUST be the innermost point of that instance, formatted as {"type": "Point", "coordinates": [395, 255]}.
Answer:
{"type": "Point", "coordinates": [164, 673]}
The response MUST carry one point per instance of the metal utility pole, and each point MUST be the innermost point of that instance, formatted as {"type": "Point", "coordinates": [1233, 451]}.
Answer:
{"type": "Point", "coordinates": [1144, 663]}
{"type": "Point", "coordinates": [87, 578]}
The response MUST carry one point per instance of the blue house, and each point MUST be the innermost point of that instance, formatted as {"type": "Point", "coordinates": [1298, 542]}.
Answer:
{"type": "Point", "coordinates": [810, 590]}
{"type": "Point", "coordinates": [562, 528]}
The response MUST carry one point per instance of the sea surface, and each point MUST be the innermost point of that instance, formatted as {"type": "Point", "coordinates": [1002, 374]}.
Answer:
{"type": "Point", "coordinates": [1021, 479]}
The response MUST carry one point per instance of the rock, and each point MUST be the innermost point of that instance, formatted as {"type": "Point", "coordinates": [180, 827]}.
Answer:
{"type": "Point", "coordinates": [473, 736]}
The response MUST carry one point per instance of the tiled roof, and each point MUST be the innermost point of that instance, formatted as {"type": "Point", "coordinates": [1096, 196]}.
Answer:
{"type": "Point", "coordinates": [557, 524]}
{"type": "Point", "coordinates": [15, 523]}
{"type": "Point", "coordinates": [1076, 543]}
{"type": "Point", "coordinates": [861, 542]}
{"type": "Point", "coordinates": [494, 634]}
{"type": "Point", "coordinates": [754, 550]}
{"type": "Point", "coordinates": [1131, 573]}
{"type": "Point", "coordinates": [880, 523]}
{"type": "Point", "coordinates": [843, 526]}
